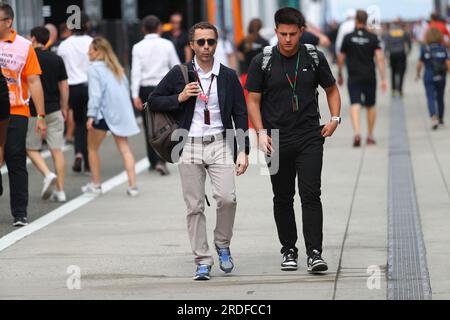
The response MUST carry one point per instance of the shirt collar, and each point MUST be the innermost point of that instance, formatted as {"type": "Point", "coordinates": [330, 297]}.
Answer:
{"type": "Point", "coordinates": [151, 36]}
{"type": "Point", "coordinates": [12, 36]}
{"type": "Point", "coordinates": [215, 69]}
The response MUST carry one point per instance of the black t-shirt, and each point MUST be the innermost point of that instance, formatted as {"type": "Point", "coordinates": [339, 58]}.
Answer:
{"type": "Point", "coordinates": [359, 47]}
{"type": "Point", "coordinates": [53, 71]}
{"type": "Point", "coordinates": [180, 43]}
{"type": "Point", "coordinates": [257, 47]}
{"type": "Point", "coordinates": [277, 97]}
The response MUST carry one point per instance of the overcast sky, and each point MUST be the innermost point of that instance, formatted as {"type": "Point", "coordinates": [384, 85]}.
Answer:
{"type": "Point", "coordinates": [389, 9]}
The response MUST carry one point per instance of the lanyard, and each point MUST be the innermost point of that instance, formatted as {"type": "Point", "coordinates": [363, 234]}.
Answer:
{"type": "Point", "coordinates": [293, 84]}
{"type": "Point", "coordinates": [204, 97]}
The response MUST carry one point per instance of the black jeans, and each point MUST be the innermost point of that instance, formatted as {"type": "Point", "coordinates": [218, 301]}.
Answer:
{"type": "Point", "coordinates": [302, 160]}
{"type": "Point", "coordinates": [152, 156]}
{"type": "Point", "coordinates": [78, 101]}
{"type": "Point", "coordinates": [16, 161]}
{"type": "Point", "coordinates": [398, 69]}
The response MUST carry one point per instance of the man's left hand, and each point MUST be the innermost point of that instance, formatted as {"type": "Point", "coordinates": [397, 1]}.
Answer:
{"type": "Point", "coordinates": [241, 163]}
{"type": "Point", "coordinates": [329, 129]}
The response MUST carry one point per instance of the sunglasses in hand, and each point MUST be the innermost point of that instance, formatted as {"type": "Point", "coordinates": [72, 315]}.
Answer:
{"type": "Point", "coordinates": [202, 42]}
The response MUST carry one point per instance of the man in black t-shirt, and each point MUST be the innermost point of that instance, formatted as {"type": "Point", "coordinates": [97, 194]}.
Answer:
{"type": "Point", "coordinates": [358, 51]}
{"type": "Point", "coordinates": [282, 99]}
{"type": "Point", "coordinates": [179, 38]}
{"type": "Point", "coordinates": [56, 96]}
{"type": "Point", "coordinates": [248, 49]}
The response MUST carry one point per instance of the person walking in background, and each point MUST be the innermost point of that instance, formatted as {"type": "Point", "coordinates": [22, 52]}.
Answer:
{"type": "Point", "coordinates": [358, 51]}
{"type": "Point", "coordinates": [109, 109]}
{"type": "Point", "coordinates": [346, 27]}
{"type": "Point", "coordinates": [398, 46]}
{"type": "Point", "coordinates": [207, 108]}
{"type": "Point", "coordinates": [434, 57]}
{"type": "Point", "coordinates": [21, 69]}
{"type": "Point", "coordinates": [437, 22]}
{"type": "Point", "coordinates": [56, 98]}
{"type": "Point", "coordinates": [4, 120]}
{"type": "Point", "coordinates": [74, 51]}
{"type": "Point", "coordinates": [179, 37]}
{"type": "Point", "coordinates": [225, 52]}
{"type": "Point", "coordinates": [282, 97]}
{"type": "Point", "coordinates": [152, 58]}
{"type": "Point", "coordinates": [251, 46]}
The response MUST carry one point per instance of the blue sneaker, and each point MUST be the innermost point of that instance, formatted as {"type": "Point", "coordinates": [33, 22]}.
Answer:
{"type": "Point", "coordinates": [225, 259]}
{"type": "Point", "coordinates": [202, 272]}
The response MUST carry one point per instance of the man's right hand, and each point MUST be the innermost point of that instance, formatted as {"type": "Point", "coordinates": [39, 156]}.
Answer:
{"type": "Point", "coordinates": [265, 143]}
{"type": "Point", "coordinates": [137, 102]}
{"type": "Point", "coordinates": [191, 90]}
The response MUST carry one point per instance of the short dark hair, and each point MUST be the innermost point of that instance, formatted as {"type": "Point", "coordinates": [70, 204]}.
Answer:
{"type": "Point", "coordinates": [8, 10]}
{"type": "Point", "coordinates": [361, 17]}
{"type": "Point", "coordinates": [202, 25]}
{"type": "Point", "coordinates": [151, 24]}
{"type": "Point", "coordinates": [289, 15]}
{"type": "Point", "coordinates": [41, 34]}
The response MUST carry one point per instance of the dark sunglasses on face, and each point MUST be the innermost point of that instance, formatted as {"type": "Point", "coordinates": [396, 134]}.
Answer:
{"type": "Point", "coordinates": [201, 42]}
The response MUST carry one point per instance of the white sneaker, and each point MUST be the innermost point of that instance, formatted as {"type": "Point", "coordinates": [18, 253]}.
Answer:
{"type": "Point", "coordinates": [133, 192]}
{"type": "Point", "coordinates": [49, 184]}
{"type": "Point", "coordinates": [58, 196]}
{"type": "Point", "coordinates": [92, 189]}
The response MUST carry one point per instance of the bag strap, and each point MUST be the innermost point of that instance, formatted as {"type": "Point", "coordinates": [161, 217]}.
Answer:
{"type": "Point", "coordinates": [267, 55]}
{"type": "Point", "coordinates": [312, 51]}
{"type": "Point", "coordinates": [184, 72]}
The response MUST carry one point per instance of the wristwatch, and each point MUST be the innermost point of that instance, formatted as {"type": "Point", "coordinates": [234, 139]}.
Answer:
{"type": "Point", "coordinates": [338, 119]}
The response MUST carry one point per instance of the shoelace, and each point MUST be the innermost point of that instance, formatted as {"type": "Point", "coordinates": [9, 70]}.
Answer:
{"type": "Point", "coordinates": [202, 269]}
{"type": "Point", "coordinates": [315, 257]}
{"type": "Point", "coordinates": [289, 255]}
{"type": "Point", "coordinates": [224, 254]}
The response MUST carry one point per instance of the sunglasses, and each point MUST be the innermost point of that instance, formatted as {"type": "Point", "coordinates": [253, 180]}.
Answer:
{"type": "Point", "coordinates": [202, 42]}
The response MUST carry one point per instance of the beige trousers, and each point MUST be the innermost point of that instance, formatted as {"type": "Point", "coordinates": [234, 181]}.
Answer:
{"type": "Point", "coordinates": [215, 158]}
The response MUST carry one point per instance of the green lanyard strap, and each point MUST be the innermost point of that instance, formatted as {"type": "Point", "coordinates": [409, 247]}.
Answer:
{"type": "Point", "coordinates": [293, 84]}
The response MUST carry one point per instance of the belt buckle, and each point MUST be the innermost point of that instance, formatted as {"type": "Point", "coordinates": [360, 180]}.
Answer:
{"type": "Point", "coordinates": [210, 140]}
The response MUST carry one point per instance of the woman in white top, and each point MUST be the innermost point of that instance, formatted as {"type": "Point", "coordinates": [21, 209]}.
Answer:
{"type": "Point", "coordinates": [109, 109]}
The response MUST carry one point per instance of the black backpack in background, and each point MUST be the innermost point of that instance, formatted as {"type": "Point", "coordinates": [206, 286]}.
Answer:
{"type": "Point", "coordinates": [439, 68]}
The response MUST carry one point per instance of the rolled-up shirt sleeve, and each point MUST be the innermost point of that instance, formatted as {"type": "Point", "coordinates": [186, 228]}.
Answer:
{"type": "Point", "coordinates": [135, 73]}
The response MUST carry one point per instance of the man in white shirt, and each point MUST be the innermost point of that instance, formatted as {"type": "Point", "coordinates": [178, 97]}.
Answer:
{"type": "Point", "coordinates": [74, 52]}
{"type": "Point", "coordinates": [346, 27]}
{"type": "Point", "coordinates": [152, 59]}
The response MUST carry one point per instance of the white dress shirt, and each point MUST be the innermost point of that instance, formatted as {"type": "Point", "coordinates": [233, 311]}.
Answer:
{"type": "Point", "coordinates": [74, 52]}
{"type": "Point", "coordinates": [198, 126]}
{"type": "Point", "coordinates": [152, 59]}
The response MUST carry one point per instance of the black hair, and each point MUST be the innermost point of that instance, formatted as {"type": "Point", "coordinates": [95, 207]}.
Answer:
{"type": "Point", "coordinates": [41, 34]}
{"type": "Point", "coordinates": [202, 25]}
{"type": "Point", "coordinates": [151, 24]}
{"type": "Point", "coordinates": [289, 15]}
{"type": "Point", "coordinates": [361, 17]}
